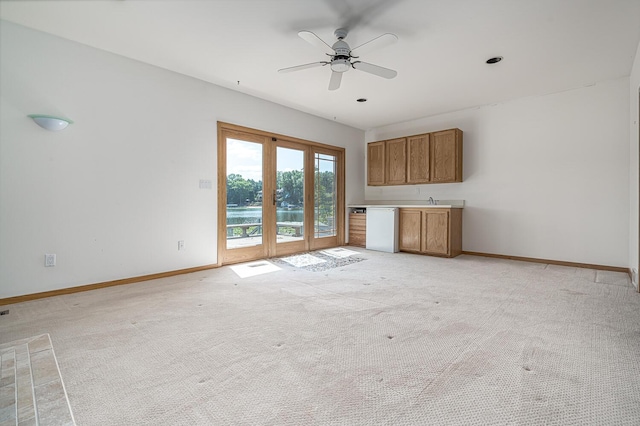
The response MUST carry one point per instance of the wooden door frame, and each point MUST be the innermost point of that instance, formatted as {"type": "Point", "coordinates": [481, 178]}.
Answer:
{"type": "Point", "coordinates": [268, 247]}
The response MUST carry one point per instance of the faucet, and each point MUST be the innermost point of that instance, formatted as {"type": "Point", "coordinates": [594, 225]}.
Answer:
{"type": "Point", "coordinates": [431, 202]}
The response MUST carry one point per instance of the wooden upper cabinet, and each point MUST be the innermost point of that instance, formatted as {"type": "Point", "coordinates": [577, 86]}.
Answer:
{"type": "Point", "coordinates": [446, 156]}
{"type": "Point", "coordinates": [418, 159]}
{"type": "Point", "coordinates": [427, 158]}
{"type": "Point", "coordinates": [396, 171]}
{"type": "Point", "coordinates": [375, 163]}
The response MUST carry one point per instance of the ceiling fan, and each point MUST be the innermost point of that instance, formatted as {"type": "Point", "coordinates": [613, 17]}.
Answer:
{"type": "Point", "coordinates": [342, 57]}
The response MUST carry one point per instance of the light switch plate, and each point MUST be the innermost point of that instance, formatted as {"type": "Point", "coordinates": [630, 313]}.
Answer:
{"type": "Point", "coordinates": [205, 184]}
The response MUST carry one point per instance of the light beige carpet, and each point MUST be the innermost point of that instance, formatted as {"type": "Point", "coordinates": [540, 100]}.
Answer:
{"type": "Point", "coordinates": [31, 388]}
{"type": "Point", "coordinates": [395, 339]}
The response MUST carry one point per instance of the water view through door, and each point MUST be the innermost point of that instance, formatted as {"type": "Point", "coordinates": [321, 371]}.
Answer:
{"type": "Point", "coordinates": [244, 193]}
{"type": "Point", "coordinates": [289, 198]}
{"type": "Point", "coordinates": [269, 202]}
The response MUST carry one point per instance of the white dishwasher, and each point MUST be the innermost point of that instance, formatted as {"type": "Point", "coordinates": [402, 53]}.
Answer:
{"type": "Point", "coordinates": [382, 229]}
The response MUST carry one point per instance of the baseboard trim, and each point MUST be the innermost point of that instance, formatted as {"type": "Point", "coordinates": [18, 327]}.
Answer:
{"type": "Point", "coordinates": [132, 280]}
{"type": "Point", "coordinates": [552, 262]}
{"type": "Point", "coordinates": [88, 287]}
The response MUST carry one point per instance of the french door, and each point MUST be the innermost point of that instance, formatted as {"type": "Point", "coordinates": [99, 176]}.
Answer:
{"type": "Point", "coordinates": [276, 195]}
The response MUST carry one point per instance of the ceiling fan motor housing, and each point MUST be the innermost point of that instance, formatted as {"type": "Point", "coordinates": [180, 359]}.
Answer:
{"type": "Point", "coordinates": [341, 48]}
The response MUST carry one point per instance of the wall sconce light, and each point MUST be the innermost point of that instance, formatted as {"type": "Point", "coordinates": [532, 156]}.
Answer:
{"type": "Point", "coordinates": [50, 122]}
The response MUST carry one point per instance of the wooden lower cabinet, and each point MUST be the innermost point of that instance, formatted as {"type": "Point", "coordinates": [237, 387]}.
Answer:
{"type": "Point", "coordinates": [410, 225]}
{"type": "Point", "coordinates": [434, 231]}
{"type": "Point", "coordinates": [358, 229]}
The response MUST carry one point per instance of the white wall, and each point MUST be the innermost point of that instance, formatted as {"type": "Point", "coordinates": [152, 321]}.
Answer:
{"type": "Point", "coordinates": [544, 177]}
{"type": "Point", "coordinates": [113, 193]}
{"type": "Point", "coordinates": [634, 166]}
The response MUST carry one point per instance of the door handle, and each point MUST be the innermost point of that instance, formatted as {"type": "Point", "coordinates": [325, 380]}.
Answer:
{"type": "Point", "coordinates": [274, 197]}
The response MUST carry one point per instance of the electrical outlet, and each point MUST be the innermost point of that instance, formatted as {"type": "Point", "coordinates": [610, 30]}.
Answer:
{"type": "Point", "coordinates": [180, 245]}
{"type": "Point", "coordinates": [49, 260]}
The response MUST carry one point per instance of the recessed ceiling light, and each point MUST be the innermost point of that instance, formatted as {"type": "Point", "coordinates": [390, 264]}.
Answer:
{"type": "Point", "coordinates": [362, 100]}
{"type": "Point", "coordinates": [494, 60]}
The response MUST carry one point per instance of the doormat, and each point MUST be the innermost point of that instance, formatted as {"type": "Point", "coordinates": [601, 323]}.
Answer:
{"type": "Point", "coordinates": [33, 391]}
{"type": "Point", "coordinates": [322, 260]}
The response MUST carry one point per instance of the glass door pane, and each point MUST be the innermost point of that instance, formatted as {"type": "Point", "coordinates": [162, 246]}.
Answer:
{"type": "Point", "coordinates": [244, 194]}
{"type": "Point", "coordinates": [289, 195]}
{"type": "Point", "coordinates": [276, 197]}
{"type": "Point", "coordinates": [325, 195]}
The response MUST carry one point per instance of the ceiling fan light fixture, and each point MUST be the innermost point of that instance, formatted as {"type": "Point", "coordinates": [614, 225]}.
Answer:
{"type": "Point", "coordinates": [340, 65]}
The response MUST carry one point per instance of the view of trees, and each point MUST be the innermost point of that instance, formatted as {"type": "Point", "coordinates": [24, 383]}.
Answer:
{"type": "Point", "coordinates": [292, 188]}
{"type": "Point", "coordinates": [290, 193]}
{"type": "Point", "coordinates": [324, 197]}
{"type": "Point", "coordinates": [241, 191]}
{"type": "Point", "coordinates": [245, 192]}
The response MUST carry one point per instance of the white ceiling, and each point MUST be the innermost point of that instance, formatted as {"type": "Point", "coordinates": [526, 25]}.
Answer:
{"type": "Point", "coordinates": [548, 46]}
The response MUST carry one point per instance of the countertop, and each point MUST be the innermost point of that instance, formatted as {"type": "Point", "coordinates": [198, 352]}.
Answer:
{"type": "Point", "coordinates": [442, 204]}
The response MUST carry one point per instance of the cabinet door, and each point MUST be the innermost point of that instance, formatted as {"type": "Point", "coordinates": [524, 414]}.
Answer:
{"type": "Point", "coordinates": [375, 163]}
{"type": "Point", "coordinates": [435, 231]}
{"type": "Point", "coordinates": [396, 172]}
{"type": "Point", "coordinates": [410, 225]}
{"type": "Point", "coordinates": [357, 229]}
{"type": "Point", "coordinates": [418, 159]}
{"type": "Point", "coordinates": [446, 156]}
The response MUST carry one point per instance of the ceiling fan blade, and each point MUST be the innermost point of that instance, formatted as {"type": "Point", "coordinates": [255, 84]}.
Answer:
{"type": "Point", "coordinates": [336, 78]}
{"type": "Point", "coordinates": [377, 43]}
{"type": "Point", "coordinates": [303, 67]}
{"type": "Point", "coordinates": [375, 69]}
{"type": "Point", "coordinates": [314, 40]}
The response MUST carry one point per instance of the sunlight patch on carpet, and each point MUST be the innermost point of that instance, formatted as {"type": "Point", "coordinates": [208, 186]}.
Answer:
{"type": "Point", "coordinates": [339, 252]}
{"type": "Point", "coordinates": [252, 269]}
{"type": "Point", "coordinates": [303, 260]}
{"type": "Point", "coordinates": [318, 261]}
